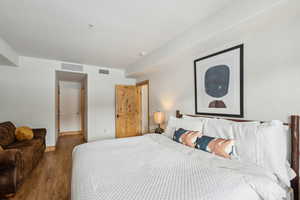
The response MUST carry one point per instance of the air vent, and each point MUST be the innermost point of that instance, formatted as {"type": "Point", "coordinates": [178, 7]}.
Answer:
{"type": "Point", "coordinates": [72, 67]}
{"type": "Point", "coordinates": [104, 71]}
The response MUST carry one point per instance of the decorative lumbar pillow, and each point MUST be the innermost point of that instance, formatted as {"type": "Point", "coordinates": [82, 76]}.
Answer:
{"type": "Point", "coordinates": [218, 146]}
{"type": "Point", "coordinates": [188, 138]}
{"type": "Point", "coordinates": [24, 133]}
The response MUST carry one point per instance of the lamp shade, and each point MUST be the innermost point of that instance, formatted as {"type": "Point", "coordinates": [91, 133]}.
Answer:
{"type": "Point", "coordinates": [159, 117]}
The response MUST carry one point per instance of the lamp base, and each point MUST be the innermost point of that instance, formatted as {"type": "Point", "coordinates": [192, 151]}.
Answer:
{"type": "Point", "coordinates": [159, 130]}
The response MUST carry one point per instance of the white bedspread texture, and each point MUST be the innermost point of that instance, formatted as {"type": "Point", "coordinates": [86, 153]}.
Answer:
{"type": "Point", "coordinates": [153, 167]}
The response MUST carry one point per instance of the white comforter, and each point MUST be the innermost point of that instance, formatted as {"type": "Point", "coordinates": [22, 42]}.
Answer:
{"type": "Point", "coordinates": [153, 167]}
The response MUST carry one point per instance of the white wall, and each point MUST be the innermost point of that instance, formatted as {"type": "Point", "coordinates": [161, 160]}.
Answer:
{"type": "Point", "coordinates": [272, 66]}
{"type": "Point", "coordinates": [28, 97]}
{"type": "Point", "coordinates": [70, 106]}
{"type": "Point", "coordinates": [8, 56]}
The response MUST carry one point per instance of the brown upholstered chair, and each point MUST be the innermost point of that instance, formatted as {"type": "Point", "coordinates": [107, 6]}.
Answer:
{"type": "Point", "coordinates": [18, 158]}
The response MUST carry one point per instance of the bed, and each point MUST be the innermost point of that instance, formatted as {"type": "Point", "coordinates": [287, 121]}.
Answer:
{"type": "Point", "coordinates": [153, 166]}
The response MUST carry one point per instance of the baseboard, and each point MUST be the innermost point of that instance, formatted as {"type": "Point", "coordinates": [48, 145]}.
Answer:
{"type": "Point", "coordinates": [70, 133]}
{"type": "Point", "coordinates": [50, 148]}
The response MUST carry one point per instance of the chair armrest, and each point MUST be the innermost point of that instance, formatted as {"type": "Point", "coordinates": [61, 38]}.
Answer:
{"type": "Point", "coordinates": [11, 165]}
{"type": "Point", "coordinates": [39, 133]}
{"type": "Point", "coordinates": [10, 158]}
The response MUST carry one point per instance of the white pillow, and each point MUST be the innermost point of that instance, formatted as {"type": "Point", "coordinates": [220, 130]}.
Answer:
{"type": "Point", "coordinates": [188, 124]}
{"type": "Point", "coordinates": [273, 147]}
{"type": "Point", "coordinates": [191, 125]}
{"type": "Point", "coordinates": [246, 137]}
{"type": "Point", "coordinates": [266, 145]}
{"type": "Point", "coordinates": [171, 127]}
{"type": "Point", "coordinates": [244, 134]}
{"type": "Point", "coordinates": [218, 128]}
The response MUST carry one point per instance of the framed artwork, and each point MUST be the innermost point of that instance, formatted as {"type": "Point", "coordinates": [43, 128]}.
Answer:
{"type": "Point", "coordinates": [219, 84]}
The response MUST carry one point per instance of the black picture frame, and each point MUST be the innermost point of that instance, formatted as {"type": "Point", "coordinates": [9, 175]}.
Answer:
{"type": "Point", "coordinates": [241, 114]}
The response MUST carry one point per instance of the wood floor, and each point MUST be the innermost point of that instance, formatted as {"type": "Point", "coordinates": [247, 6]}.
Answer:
{"type": "Point", "coordinates": [50, 180]}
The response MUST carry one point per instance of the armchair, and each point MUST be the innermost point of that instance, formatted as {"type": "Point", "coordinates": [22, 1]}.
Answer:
{"type": "Point", "coordinates": [18, 158]}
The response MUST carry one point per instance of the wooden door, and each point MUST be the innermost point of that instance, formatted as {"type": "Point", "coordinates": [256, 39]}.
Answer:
{"type": "Point", "coordinates": [127, 111]}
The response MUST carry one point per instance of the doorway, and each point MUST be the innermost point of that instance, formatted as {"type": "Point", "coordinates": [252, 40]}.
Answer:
{"type": "Point", "coordinates": [144, 99]}
{"type": "Point", "coordinates": [71, 103]}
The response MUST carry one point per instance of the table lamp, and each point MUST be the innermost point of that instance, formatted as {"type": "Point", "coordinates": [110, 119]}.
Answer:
{"type": "Point", "coordinates": [159, 118]}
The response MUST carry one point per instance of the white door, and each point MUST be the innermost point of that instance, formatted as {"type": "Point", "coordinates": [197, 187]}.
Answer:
{"type": "Point", "coordinates": [70, 106]}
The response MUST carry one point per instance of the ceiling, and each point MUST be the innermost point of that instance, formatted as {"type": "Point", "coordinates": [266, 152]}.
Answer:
{"type": "Point", "coordinates": [122, 29]}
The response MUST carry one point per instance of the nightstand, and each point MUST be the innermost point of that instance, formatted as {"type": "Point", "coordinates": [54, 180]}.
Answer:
{"type": "Point", "coordinates": [150, 132]}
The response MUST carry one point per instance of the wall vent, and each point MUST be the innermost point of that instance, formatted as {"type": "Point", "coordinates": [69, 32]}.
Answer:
{"type": "Point", "coordinates": [72, 67]}
{"type": "Point", "coordinates": [104, 71]}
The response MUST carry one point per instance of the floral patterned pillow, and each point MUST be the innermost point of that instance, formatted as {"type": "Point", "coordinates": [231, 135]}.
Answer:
{"type": "Point", "coordinates": [195, 139]}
